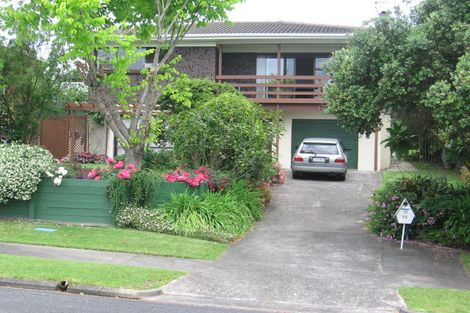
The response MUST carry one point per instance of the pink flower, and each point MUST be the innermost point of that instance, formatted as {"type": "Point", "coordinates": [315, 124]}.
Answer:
{"type": "Point", "coordinates": [170, 177]}
{"type": "Point", "coordinates": [119, 165]}
{"type": "Point", "coordinates": [110, 160]}
{"type": "Point", "coordinates": [92, 174]}
{"type": "Point", "coordinates": [124, 174]}
{"type": "Point", "coordinates": [98, 178]}
{"type": "Point", "coordinates": [132, 168]}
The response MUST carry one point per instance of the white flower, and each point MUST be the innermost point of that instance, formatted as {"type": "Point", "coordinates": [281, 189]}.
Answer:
{"type": "Point", "coordinates": [62, 171]}
{"type": "Point", "coordinates": [49, 174]}
{"type": "Point", "coordinates": [58, 180]}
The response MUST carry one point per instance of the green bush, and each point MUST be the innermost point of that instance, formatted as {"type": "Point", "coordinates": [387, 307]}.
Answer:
{"type": "Point", "coordinates": [186, 93]}
{"type": "Point", "coordinates": [162, 159]}
{"type": "Point", "coordinates": [137, 191]}
{"type": "Point", "coordinates": [21, 168]}
{"type": "Point", "coordinates": [442, 212]}
{"type": "Point", "coordinates": [227, 133]}
{"type": "Point", "coordinates": [142, 219]}
{"type": "Point", "coordinates": [221, 216]}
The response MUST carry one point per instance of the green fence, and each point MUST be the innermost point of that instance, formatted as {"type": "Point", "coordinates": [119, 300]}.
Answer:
{"type": "Point", "coordinates": [75, 200]}
{"type": "Point", "coordinates": [79, 201]}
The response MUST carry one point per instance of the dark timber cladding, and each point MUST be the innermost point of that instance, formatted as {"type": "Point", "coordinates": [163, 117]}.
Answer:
{"type": "Point", "coordinates": [327, 129]}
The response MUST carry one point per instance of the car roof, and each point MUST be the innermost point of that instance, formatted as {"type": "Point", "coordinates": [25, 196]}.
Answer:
{"type": "Point", "coordinates": [321, 140]}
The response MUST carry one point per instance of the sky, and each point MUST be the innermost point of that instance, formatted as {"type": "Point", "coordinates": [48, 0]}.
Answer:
{"type": "Point", "coordinates": [333, 12]}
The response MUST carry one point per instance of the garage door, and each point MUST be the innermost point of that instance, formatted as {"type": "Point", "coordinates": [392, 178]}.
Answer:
{"type": "Point", "coordinates": [328, 129]}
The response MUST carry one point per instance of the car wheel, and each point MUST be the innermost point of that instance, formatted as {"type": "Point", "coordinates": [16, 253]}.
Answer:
{"type": "Point", "coordinates": [295, 175]}
{"type": "Point", "coordinates": [342, 177]}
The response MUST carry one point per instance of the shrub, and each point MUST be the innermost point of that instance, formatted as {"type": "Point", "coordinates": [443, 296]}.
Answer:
{"type": "Point", "coordinates": [21, 168]}
{"type": "Point", "coordinates": [88, 157]}
{"type": "Point", "coordinates": [142, 219]}
{"type": "Point", "coordinates": [162, 159]}
{"type": "Point", "coordinates": [441, 210]}
{"type": "Point", "coordinates": [221, 215]}
{"type": "Point", "coordinates": [227, 133]}
{"type": "Point", "coordinates": [186, 93]}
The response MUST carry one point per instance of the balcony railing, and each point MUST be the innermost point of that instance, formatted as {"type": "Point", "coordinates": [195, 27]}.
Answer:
{"type": "Point", "coordinates": [273, 89]}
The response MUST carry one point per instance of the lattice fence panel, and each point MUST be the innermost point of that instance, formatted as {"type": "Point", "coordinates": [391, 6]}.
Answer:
{"type": "Point", "coordinates": [78, 135]}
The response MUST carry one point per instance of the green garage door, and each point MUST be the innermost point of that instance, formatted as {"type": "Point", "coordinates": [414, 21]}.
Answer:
{"type": "Point", "coordinates": [328, 129]}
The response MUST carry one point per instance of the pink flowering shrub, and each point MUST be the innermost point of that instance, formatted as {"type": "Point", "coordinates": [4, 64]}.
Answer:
{"type": "Point", "coordinates": [196, 177]}
{"type": "Point", "coordinates": [113, 169]}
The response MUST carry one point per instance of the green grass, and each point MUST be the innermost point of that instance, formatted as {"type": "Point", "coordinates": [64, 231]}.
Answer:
{"type": "Point", "coordinates": [83, 273]}
{"type": "Point", "coordinates": [452, 175]}
{"type": "Point", "coordinates": [110, 239]}
{"type": "Point", "coordinates": [91, 166]}
{"type": "Point", "coordinates": [437, 300]}
{"type": "Point", "coordinates": [465, 258]}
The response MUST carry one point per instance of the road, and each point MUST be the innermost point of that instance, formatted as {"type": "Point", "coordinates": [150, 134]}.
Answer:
{"type": "Point", "coordinates": [33, 301]}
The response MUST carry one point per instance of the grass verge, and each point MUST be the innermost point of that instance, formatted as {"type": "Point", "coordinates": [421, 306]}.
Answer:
{"type": "Point", "coordinates": [436, 300]}
{"type": "Point", "coordinates": [84, 273]}
{"type": "Point", "coordinates": [465, 258]}
{"type": "Point", "coordinates": [110, 239]}
{"type": "Point", "coordinates": [452, 175]}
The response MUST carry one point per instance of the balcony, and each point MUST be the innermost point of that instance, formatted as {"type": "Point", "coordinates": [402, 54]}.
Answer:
{"type": "Point", "coordinates": [277, 90]}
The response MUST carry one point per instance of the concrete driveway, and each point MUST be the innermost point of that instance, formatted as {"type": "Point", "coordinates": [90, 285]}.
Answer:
{"type": "Point", "coordinates": [311, 254]}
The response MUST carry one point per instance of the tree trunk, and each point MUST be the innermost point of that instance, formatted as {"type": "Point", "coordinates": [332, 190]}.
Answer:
{"type": "Point", "coordinates": [134, 155]}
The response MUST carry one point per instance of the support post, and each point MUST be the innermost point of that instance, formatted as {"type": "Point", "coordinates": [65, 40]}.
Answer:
{"type": "Point", "coordinates": [278, 97]}
{"type": "Point", "coordinates": [219, 47]}
{"type": "Point", "coordinates": [402, 236]}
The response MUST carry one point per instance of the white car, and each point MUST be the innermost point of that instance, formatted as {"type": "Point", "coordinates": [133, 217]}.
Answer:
{"type": "Point", "coordinates": [320, 155]}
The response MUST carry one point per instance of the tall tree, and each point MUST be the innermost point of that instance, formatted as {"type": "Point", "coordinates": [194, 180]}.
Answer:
{"type": "Point", "coordinates": [113, 33]}
{"type": "Point", "coordinates": [28, 90]}
{"type": "Point", "coordinates": [403, 66]}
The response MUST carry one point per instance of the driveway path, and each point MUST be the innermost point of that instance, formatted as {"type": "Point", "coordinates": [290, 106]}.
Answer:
{"type": "Point", "coordinates": [311, 254]}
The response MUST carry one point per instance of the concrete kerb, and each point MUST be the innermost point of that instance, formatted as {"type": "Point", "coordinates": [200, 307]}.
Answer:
{"type": "Point", "coordinates": [81, 289]}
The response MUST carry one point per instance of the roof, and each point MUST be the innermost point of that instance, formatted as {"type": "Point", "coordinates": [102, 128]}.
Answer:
{"type": "Point", "coordinates": [246, 28]}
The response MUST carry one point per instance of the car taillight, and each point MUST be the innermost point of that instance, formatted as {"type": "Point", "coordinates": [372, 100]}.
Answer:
{"type": "Point", "coordinates": [340, 160]}
{"type": "Point", "coordinates": [298, 159]}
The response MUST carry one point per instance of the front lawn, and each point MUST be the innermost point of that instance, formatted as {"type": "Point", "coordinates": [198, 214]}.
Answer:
{"type": "Point", "coordinates": [436, 300]}
{"type": "Point", "coordinates": [110, 239]}
{"type": "Point", "coordinates": [451, 175]}
{"type": "Point", "coordinates": [465, 258]}
{"type": "Point", "coordinates": [84, 273]}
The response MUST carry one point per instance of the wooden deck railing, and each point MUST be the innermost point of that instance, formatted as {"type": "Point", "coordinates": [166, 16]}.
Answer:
{"type": "Point", "coordinates": [273, 89]}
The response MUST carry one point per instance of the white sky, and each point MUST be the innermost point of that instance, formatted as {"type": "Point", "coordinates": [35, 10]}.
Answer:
{"type": "Point", "coordinates": [334, 12]}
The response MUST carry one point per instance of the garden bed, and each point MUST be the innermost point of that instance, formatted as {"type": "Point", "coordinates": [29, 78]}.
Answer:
{"type": "Point", "coordinates": [78, 201]}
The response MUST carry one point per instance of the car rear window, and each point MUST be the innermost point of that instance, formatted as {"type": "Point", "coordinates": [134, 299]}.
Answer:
{"type": "Point", "coordinates": [319, 148]}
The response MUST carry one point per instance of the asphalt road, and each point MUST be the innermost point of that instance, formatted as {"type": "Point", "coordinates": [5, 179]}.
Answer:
{"type": "Point", "coordinates": [33, 301]}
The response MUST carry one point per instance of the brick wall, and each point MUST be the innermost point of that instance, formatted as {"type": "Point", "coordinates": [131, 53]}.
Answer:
{"type": "Point", "coordinates": [239, 64]}
{"type": "Point", "coordinates": [197, 62]}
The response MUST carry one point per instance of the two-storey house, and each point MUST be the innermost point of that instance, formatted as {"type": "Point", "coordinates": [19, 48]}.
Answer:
{"type": "Point", "coordinates": [280, 65]}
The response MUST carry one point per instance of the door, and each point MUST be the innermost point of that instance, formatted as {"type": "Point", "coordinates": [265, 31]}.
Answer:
{"type": "Point", "coordinates": [327, 129]}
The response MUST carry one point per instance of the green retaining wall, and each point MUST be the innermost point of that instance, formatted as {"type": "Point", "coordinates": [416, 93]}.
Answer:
{"type": "Point", "coordinates": [80, 201]}
{"type": "Point", "coordinates": [75, 200]}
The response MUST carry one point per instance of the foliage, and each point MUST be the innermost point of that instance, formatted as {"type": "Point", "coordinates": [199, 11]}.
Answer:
{"type": "Point", "coordinates": [414, 68]}
{"type": "Point", "coordinates": [220, 214]}
{"type": "Point", "coordinates": [121, 31]}
{"type": "Point", "coordinates": [442, 211]}
{"type": "Point", "coordinates": [162, 159]}
{"type": "Point", "coordinates": [22, 167]}
{"type": "Point", "coordinates": [401, 139]}
{"type": "Point", "coordinates": [142, 219]}
{"type": "Point", "coordinates": [137, 191]}
{"type": "Point", "coordinates": [28, 89]}
{"type": "Point", "coordinates": [227, 133]}
{"type": "Point", "coordinates": [186, 93]}
{"type": "Point", "coordinates": [245, 195]}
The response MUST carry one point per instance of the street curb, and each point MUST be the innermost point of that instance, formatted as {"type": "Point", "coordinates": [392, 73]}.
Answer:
{"type": "Point", "coordinates": [81, 289]}
{"type": "Point", "coordinates": [403, 310]}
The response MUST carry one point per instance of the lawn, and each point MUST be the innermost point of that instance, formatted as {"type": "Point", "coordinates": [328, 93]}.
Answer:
{"type": "Point", "coordinates": [83, 273]}
{"type": "Point", "coordinates": [110, 239]}
{"type": "Point", "coordinates": [451, 175]}
{"type": "Point", "coordinates": [436, 300]}
{"type": "Point", "coordinates": [465, 258]}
